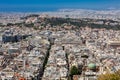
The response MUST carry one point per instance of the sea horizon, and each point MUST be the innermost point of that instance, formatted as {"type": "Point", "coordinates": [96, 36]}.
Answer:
{"type": "Point", "coordinates": [35, 10]}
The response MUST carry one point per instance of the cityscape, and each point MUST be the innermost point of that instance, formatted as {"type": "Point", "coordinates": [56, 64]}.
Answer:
{"type": "Point", "coordinates": [65, 44]}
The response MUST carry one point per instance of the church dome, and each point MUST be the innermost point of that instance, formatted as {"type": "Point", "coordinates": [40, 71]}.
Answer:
{"type": "Point", "coordinates": [91, 66]}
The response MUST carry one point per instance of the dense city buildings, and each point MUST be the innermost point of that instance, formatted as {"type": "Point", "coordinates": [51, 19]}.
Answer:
{"type": "Point", "coordinates": [45, 47]}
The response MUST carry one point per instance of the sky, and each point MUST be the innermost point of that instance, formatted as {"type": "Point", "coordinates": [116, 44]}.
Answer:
{"type": "Point", "coordinates": [51, 5]}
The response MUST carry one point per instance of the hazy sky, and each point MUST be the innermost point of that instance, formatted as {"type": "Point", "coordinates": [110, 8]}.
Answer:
{"type": "Point", "coordinates": [47, 5]}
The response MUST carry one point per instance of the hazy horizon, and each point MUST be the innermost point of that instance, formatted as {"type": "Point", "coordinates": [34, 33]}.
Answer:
{"type": "Point", "coordinates": [53, 5]}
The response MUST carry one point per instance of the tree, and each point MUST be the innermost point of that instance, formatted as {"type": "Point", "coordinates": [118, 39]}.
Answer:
{"type": "Point", "coordinates": [110, 76]}
{"type": "Point", "coordinates": [74, 71]}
